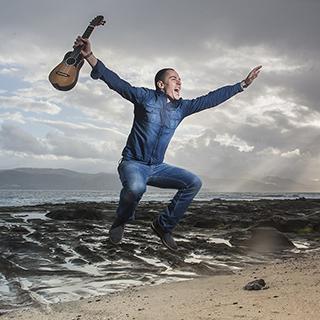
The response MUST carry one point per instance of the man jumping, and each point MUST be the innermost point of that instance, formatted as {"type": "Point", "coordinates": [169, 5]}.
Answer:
{"type": "Point", "coordinates": [157, 114]}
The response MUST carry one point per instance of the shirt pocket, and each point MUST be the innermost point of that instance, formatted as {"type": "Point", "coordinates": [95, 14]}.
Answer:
{"type": "Point", "coordinates": [173, 120]}
{"type": "Point", "coordinates": [153, 115]}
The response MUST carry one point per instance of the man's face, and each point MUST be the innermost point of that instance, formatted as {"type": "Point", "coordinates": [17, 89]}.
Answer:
{"type": "Point", "coordinates": [171, 85]}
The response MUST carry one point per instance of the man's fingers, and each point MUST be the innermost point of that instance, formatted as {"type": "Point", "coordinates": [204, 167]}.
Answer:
{"type": "Point", "coordinates": [255, 72]}
{"type": "Point", "coordinates": [83, 40]}
{"type": "Point", "coordinates": [80, 41]}
{"type": "Point", "coordinates": [77, 43]}
{"type": "Point", "coordinates": [257, 68]}
{"type": "Point", "coordinates": [252, 75]}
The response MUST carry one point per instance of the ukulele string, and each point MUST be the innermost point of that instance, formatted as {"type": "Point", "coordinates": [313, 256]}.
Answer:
{"type": "Point", "coordinates": [77, 51]}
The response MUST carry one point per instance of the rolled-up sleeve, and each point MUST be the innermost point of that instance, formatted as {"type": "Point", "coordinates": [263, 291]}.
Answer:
{"type": "Point", "coordinates": [96, 70]}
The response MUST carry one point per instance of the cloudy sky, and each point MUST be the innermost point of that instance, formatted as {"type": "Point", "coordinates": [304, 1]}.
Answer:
{"type": "Point", "coordinates": [270, 129]}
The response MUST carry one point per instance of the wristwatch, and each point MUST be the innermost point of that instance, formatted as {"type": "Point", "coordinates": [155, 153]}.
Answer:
{"type": "Point", "coordinates": [243, 85]}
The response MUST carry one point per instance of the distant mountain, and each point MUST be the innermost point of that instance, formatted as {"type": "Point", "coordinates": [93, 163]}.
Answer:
{"type": "Point", "coordinates": [63, 179]}
{"type": "Point", "coordinates": [56, 179]}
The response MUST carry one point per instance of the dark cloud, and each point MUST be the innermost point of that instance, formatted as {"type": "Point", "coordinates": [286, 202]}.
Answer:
{"type": "Point", "coordinates": [301, 86]}
{"type": "Point", "coordinates": [145, 26]}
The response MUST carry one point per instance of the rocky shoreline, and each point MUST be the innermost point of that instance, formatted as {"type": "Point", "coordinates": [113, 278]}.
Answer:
{"type": "Point", "coordinates": [60, 252]}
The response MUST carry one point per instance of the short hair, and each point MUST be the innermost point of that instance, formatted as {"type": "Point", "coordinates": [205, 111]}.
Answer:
{"type": "Point", "coordinates": [160, 75]}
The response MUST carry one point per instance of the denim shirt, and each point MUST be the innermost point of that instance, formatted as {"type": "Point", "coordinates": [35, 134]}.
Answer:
{"type": "Point", "coordinates": [156, 119]}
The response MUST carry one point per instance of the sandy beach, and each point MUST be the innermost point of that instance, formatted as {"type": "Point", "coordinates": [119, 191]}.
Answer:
{"type": "Point", "coordinates": [293, 293]}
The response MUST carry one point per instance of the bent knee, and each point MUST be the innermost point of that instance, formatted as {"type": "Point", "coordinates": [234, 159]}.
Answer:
{"type": "Point", "coordinates": [196, 183]}
{"type": "Point", "coordinates": [136, 190]}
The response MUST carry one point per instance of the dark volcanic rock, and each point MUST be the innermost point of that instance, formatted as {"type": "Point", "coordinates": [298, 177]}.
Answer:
{"type": "Point", "coordinates": [255, 285]}
{"type": "Point", "coordinates": [76, 214]}
{"type": "Point", "coordinates": [267, 239]}
{"type": "Point", "coordinates": [286, 224]}
{"type": "Point", "coordinates": [212, 223]}
{"type": "Point", "coordinates": [88, 254]}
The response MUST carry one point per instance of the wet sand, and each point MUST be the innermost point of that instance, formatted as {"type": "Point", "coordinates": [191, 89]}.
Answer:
{"type": "Point", "coordinates": [293, 293]}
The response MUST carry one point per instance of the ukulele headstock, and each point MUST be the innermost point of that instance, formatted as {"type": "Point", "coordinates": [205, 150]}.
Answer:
{"type": "Point", "coordinates": [98, 21]}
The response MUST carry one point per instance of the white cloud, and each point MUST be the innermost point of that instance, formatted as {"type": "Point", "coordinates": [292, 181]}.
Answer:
{"type": "Point", "coordinates": [9, 71]}
{"type": "Point", "coordinates": [16, 116]}
{"type": "Point", "coordinates": [60, 145]}
{"type": "Point", "coordinates": [270, 151]}
{"type": "Point", "coordinates": [291, 154]}
{"type": "Point", "coordinates": [233, 141]}
{"type": "Point", "coordinates": [57, 145]}
{"type": "Point", "coordinates": [29, 104]}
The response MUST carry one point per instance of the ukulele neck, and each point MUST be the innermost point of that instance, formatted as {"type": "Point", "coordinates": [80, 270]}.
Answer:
{"type": "Point", "coordinates": [85, 35]}
{"type": "Point", "coordinates": [88, 32]}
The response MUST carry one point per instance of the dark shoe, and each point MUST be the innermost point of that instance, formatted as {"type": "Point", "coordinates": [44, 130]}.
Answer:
{"type": "Point", "coordinates": [116, 231]}
{"type": "Point", "coordinates": [166, 237]}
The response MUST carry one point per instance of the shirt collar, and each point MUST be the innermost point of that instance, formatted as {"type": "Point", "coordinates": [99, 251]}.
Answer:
{"type": "Point", "coordinates": [161, 93]}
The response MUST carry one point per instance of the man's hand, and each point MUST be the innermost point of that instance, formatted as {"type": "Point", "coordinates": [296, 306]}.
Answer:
{"type": "Point", "coordinates": [251, 76]}
{"type": "Point", "coordinates": [86, 50]}
{"type": "Point", "coordinates": [85, 45]}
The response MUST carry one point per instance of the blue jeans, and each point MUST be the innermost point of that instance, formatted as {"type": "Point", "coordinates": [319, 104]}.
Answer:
{"type": "Point", "coordinates": [135, 176]}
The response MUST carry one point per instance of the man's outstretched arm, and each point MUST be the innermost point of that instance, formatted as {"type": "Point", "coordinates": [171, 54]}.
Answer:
{"type": "Point", "coordinates": [218, 96]}
{"type": "Point", "coordinates": [114, 82]}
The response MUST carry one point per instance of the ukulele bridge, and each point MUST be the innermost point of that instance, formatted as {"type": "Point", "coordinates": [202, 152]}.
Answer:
{"type": "Point", "coordinates": [63, 74]}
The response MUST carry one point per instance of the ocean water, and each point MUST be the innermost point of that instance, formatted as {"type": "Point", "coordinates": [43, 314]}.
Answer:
{"type": "Point", "coordinates": [35, 197]}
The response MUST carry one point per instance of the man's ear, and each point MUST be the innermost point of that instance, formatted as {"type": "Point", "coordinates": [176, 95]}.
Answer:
{"type": "Point", "coordinates": [160, 84]}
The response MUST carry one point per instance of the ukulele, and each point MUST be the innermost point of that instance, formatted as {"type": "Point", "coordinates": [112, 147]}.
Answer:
{"type": "Point", "coordinates": [65, 75]}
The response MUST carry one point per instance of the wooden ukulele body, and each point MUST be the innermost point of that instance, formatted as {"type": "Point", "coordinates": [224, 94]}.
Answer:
{"type": "Point", "coordinates": [65, 75]}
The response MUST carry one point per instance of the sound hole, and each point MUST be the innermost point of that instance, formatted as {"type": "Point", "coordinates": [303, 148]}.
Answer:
{"type": "Point", "coordinates": [71, 61]}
